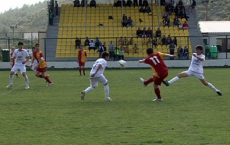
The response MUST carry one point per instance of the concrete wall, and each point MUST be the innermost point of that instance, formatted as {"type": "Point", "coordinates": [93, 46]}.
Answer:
{"type": "Point", "coordinates": [130, 64]}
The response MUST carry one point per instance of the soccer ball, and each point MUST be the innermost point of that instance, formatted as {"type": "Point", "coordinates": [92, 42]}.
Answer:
{"type": "Point", "coordinates": [122, 63]}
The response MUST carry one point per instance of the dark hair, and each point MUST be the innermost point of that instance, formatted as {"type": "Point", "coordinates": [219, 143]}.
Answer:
{"type": "Point", "coordinates": [149, 51]}
{"type": "Point", "coordinates": [20, 43]}
{"type": "Point", "coordinates": [199, 47]}
{"type": "Point", "coordinates": [104, 54]}
{"type": "Point", "coordinates": [36, 44]}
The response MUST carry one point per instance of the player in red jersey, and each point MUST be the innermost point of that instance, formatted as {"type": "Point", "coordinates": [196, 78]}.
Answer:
{"type": "Point", "coordinates": [13, 60]}
{"type": "Point", "coordinates": [82, 57]}
{"type": "Point", "coordinates": [41, 66]}
{"type": "Point", "coordinates": [156, 61]}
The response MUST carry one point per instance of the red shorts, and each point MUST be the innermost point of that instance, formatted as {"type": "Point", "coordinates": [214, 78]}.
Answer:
{"type": "Point", "coordinates": [160, 79]}
{"type": "Point", "coordinates": [41, 69]}
{"type": "Point", "coordinates": [81, 63]}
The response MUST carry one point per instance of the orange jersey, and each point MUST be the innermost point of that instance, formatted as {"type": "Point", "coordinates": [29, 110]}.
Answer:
{"type": "Point", "coordinates": [38, 55]}
{"type": "Point", "coordinates": [82, 55]}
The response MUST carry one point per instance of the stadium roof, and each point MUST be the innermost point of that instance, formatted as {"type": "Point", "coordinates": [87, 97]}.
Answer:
{"type": "Point", "coordinates": [214, 26]}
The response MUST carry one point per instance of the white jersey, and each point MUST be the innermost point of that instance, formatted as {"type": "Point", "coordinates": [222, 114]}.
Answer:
{"type": "Point", "coordinates": [197, 65]}
{"type": "Point", "coordinates": [103, 63]}
{"type": "Point", "coordinates": [20, 56]}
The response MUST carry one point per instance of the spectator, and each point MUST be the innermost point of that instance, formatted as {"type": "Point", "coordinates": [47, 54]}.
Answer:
{"type": "Point", "coordinates": [172, 48]}
{"type": "Point", "coordinates": [93, 3]}
{"type": "Point", "coordinates": [77, 43]}
{"type": "Point", "coordinates": [116, 54]}
{"type": "Point", "coordinates": [148, 9]}
{"type": "Point", "coordinates": [143, 32]}
{"type": "Point", "coordinates": [142, 9]}
{"type": "Point", "coordinates": [164, 40]}
{"type": "Point", "coordinates": [167, 22]}
{"type": "Point", "coordinates": [185, 25]}
{"type": "Point", "coordinates": [183, 14]}
{"type": "Point", "coordinates": [169, 40]}
{"type": "Point", "coordinates": [56, 8]}
{"type": "Point", "coordinates": [82, 3]}
{"type": "Point", "coordinates": [104, 45]}
{"type": "Point", "coordinates": [111, 50]}
{"type": "Point", "coordinates": [97, 42]}
{"type": "Point", "coordinates": [165, 15]}
{"type": "Point", "coordinates": [175, 41]}
{"type": "Point", "coordinates": [87, 41]}
{"type": "Point", "coordinates": [130, 41]}
{"type": "Point", "coordinates": [180, 2]}
{"type": "Point", "coordinates": [130, 22]}
{"type": "Point", "coordinates": [149, 32]}
{"type": "Point", "coordinates": [135, 48]}
{"type": "Point", "coordinates": [155, 41]}
{"type": "Point", "coordinates": [76, 3]}
{"type": "Point", "coordinates": [124, 20]}
{"type": "Point", "coordinates": [176, 21]}
{"type": "Point", "coordinates": [145, 3]}
{"type": "Point", "coordinates": [186, 51]}
{"type": "Point", "coordinates": [158, 33]}
{"type": "Point", "coordinates": [121, 54]}
{"type": "Point", "coordinates": [139, 32]}
{"type": "Point", "coordinates": [101, 49]}
{"type": "Point", "coordinates": [140, 3]}
{"type": "Point", "coordinates": [92, 45]}
{"type": "Point", "coordinates": [180, 26]}
{"type": "Point", "coordinates": [192, 6]}
{"type": "Point", "coordinates": [51, 16]}
{"type": "Point", "coordinates": [129, 3]}
{"type": "Point", "coordinates": [135, 3]}
{"type": "Point", "coordinates": [162, 2]}
{"type": "Point", "coordinates": [180, 52]}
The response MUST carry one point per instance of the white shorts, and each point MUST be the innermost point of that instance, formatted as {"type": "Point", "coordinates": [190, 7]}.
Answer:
{"type": "Point", "coordinates": [101, 79]}
{"type": "Point", "coordinates": [16, 67]}
{"type": "Point", "coordinates": [191, 73]}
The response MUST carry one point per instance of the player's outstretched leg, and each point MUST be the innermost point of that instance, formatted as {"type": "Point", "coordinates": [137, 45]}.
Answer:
{"type": "Point", "coordinates": [106, 88]}
{"type": "Point", "coordinates": [211, 86]}
{"type": "Point", "coordinates": [84, 92]}
{"type": "Point", "coordinates": [176, 78]}
{"type": "Point", "coordinates": [146, 82]}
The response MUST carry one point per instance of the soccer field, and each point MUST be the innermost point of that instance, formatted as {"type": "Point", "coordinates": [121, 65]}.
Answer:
{"type": "Point", "coordinates": [191, 113]}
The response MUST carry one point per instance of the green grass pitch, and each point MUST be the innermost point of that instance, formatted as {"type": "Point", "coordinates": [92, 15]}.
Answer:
{"type": "Point", "coordinates": [191, 114]}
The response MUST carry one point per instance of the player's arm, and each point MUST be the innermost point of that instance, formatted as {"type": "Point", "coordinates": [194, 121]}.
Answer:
{"type": "Point", "coordinates": [98, 68]}
{"type": "Point", "coordinates": [27, 59]}
{"type": "Point", "coordinates": [200, 58]}
{"type": "Point", "coordinates": [142, 61]}
{"type": "Point", "coordinates": [169, 55]}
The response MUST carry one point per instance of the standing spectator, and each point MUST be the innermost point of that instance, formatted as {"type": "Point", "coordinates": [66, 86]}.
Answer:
{"type": "Point", "coordinates": [167, 22]}
{"type": "Point", "coordinates": [121, 54]}
{"type": "Point", "coordinates": [97, 42]}
{"type": "Point", "coordinates": [145, 3]}
{"type": "Point", "coordinates": [87, 41]}
{"type": "Point", "coordinates": [130, 22]}
{"type": "Point", "coordinates": [186, 51]}
{"type": "Point", "coordinates": [51, 16]}
{"type": "Point", "coordinates": [164, 40]}
{"type": "Point", "coordinates": [101, 49]}
{"type": "Point", "coordinates": [169, 40]}
{"type": "Point", "coordinates": [135, 3]}
{"type": "Point", "coordinates": [172, 48]}
{"type": "Point", "coordinates": [192, 6]}
{"type": "Point", "coordinates": [82, 57]}
{"type": "Point", "coordinates": [93, 3]}
{"type": "Point", "coordinates": [104, 45]}
{"type": "Point", "coordinates": [129, 3]}
{"type": "Point", "coordinates": [175, 41]}
{"type": "Point", "coordinates": [92, 45]}
{"type": "Point", "coordinates": [76, 3]}
{"type": "Point", "coordinates": [180, 52]}
{"type": "Point", "coordinates": [139, 32]}
{"type": "Point", "coordinates": [158, 33]}
{"type": "Point", "coordinates": [83, 3]}
{"type": "Point", "coordinates": [140, 3]}
{"type": "Point", "coordinates": [77, 42]}
{"type": "Point", "coordinates": [56, 8]}
{"type": "Point", "coordinates": [111, 50]}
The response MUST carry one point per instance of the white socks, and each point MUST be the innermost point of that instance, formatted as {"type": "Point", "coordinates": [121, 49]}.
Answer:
{"type": "Point", "coordinates": [11, 79]}
{"type": "Point", "coordinates": [106, 88]}
{"type": "Point", "coordinates": [26, 80]}
{"type": "Point", "coordinates": [173, 80]}
{"type": "Point", "coordinates": [89, 89]}
{"type": "Point", "coordinates": [212, 87]}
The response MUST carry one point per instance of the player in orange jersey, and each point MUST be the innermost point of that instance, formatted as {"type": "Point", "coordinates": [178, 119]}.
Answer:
{"type": "Point", "coordinates": [41, 66]}
{"type": "Point", "coordinates": [156, 61]}
{"type": "Point", "coordinates": [82, 57]}
{"type": "Point", "coordinates": [13, 60]}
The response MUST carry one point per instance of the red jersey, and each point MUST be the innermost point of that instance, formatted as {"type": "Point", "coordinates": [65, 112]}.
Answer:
{"type": "Point", "coordinates": [157, 63]}
{"type": "Point", "coordinates": [13, 61]}
{"type": "Point", "coordinates": [38, 55]}
{"type": "Point", "coordinates": [82, 55]}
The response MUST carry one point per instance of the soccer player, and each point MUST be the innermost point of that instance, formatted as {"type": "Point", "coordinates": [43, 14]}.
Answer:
{"type": "Point", "coordinates": [41, 66]}
{"type": "Point", "coordinates": [35, 62]}
{"type": "Point", "coordinates": [82, 57]}
{"type": "Point", "coordinates": [21, 56]}
{"type": "Point", "coordinates": [13, 61]}
{"type": "Point", "coordinates": [156, 61]}
{"type": "Point", "coordinates": [96, 75]}
{"type": "Point", "coordinates": [195, 69]}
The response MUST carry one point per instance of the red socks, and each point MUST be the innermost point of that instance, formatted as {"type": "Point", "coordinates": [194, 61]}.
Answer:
{"type": "Point", "coordinates": [158, 93]}
{"type": "Point", "coordinates": [150, 80]}
{"type": "Point", "coordinates": [48, 79]}
{"type": "Point", "coordinates": [80, 70]}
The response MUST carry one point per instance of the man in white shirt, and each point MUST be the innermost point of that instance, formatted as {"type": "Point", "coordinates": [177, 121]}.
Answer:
{"type": "Point", "coordinates": [195, 69]}
{"type": "Point", "coordinates": [21, 56]}
{"type": "Point", "coordinates": [92, 45]}
{"type": "Point", "coordinates": [97, 75]}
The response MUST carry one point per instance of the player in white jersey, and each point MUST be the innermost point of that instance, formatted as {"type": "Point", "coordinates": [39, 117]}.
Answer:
{"type": "Point", "coordinates": [195, 69]}
{"type": "Point", "coordinates": [21, 56]}
{"type": "Point", "coordinates": [97, 75]}
{"type": "Point", "coordinates": [34, 63]}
